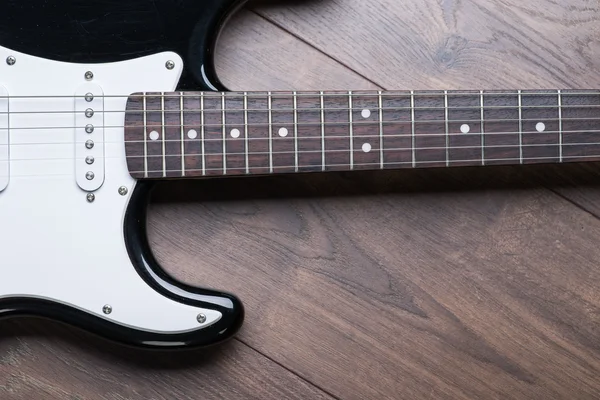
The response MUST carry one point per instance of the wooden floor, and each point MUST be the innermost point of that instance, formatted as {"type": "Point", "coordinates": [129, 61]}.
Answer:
{"type": "Point", "coordinates": [466, 284]}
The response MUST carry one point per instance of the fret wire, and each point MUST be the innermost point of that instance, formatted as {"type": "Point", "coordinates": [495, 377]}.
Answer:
{"type": "Point", "coordinates": [560, 134]}
{"type": "Point", "coordinates": [322, 132]}
{"type": "Point", "coordinates": [447, 128]}
{"type": "Point", "coordinates": [584, 157]}
{"type": "Point", "coordinates": [145, 138]}
{"type": "Point", "coordinates": [224, 135]}
{"type": "Point", "coordinates": [163, 136]}
{"type": "Point", "coordinates": [350, 106]}
{"type": "Point", "coordinates": [412, 118]}
{"type": "Point", "coordinates": [380, 129]}
{"type": "Point", "coordinates": [482, 129]}
{"type": "Point", "coordinates": [182, 135]}
{"type": "Point", "coordinates": [246, 130]}
{"type": "Point", "coordinates": [270, 102]}
{"type": "Point", "coordinates": [295, 132]}
{"type": "Point", "coordinates": [202, 134]}
{"type": "Point", "coordinates": [520, 128]}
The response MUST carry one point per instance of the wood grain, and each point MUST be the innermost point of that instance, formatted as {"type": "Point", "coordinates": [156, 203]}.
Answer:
{"type": "Point", "coordinates": [47, 361]}
{"type": "Point", "coordinates": [406, 285]}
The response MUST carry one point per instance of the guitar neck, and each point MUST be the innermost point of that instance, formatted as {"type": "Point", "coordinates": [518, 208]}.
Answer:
{"type": "Point", "coordinates": [195, 134]}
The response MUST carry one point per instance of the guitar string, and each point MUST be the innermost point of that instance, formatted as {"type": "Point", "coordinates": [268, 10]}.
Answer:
{"type": "Point", "coordinates": [408, 163]}
{"type": "Point", "coordinates": [320, 151]}
{"type": "Point", "coordinates": [355, 93]}
{"type": "Point", "coordinates": [158, 125]}
{"type": "Point", "coordinates": [375, 166]}
{"type": "Point", "coordinates": [315, 109]}
{"type": "Point", "coordinates": [279, 138]}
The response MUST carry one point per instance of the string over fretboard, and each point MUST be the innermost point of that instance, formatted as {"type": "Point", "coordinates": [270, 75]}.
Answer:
{"type": "Point", "coordinates": [193, 134]}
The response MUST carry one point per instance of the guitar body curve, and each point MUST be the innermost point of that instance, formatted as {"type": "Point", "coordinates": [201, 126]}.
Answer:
{"type": "Point", "coordinates": [91, 265]}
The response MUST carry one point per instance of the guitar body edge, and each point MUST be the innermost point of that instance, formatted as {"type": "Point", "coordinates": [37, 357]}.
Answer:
{"type": "Point", "coordinates": [91, 265]}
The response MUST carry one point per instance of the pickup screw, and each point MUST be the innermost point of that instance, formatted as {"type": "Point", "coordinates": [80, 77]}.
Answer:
{"type": "Point", "coordinates": [170, 64]}
{"type": "Point", "coordinates": [201, 318]}
{"type": "Point", "coordinates": [107, 309]}
{"type": "Point", "coordinates": [90, 197]}
{"type": "Point", "coordinates": [89, 75]}
{"type": "Point", "coordinates": [10, 60]}
{"type": "Point", "coordinates": [89, 144]}
{"type": "Point", "coordinates": [122, 190]}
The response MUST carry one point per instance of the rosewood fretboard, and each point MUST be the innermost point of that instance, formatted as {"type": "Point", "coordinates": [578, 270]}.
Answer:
{"type": "Point", "coordinates": [192, 134]}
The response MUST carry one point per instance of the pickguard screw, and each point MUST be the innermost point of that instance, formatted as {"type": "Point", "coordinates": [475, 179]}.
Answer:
{"type": "Point", "coordinates": [89, 144]}
{"type": "Point", "coordinates": [89, 97]}
{"type": "Point", "coordinates": [10, 60]}
{"type": "Point", "coordinates": [122, 190]}
{"type": "Point", "coordinates": [89, 128]}
{"type": "Point", "coordinates": [201, 318]}
{"type": "Point", "coordinates": [89, 113]}
{"type": "Point", "coordinates": [89, 75]}
{"type": "Point", "coordinates": [89, 175]}
{"type": "Point", "coordinates": [107, 309]}
{"type": "Point", "coordinates": [170, 64]}
{"type": "Point", "coordinates": [90, 197]}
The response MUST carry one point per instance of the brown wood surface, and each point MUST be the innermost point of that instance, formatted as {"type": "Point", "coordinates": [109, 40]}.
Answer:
{"type": "Point", "coordinates": [463, 284]}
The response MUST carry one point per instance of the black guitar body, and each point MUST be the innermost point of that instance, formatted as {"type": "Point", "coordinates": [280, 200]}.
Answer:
{"type": "Point", "coordinates": [89, 31]}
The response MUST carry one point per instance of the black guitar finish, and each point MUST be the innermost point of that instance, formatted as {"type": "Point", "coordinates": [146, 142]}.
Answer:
{"type": "Point", "coordinates": [89, 31]}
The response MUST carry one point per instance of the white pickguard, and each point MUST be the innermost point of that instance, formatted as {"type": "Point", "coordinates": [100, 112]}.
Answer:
{"type": "Point", "coordinates": [54, 244]}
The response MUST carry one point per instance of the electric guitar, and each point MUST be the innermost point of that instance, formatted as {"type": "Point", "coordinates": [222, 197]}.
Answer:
{"type": "Point", "coordinates": [99, 103]}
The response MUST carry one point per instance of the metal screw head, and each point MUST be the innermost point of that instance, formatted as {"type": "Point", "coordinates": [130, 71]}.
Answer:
{"type": "Point", "coordinates": [170, 64]}
{"type": "Point", "coordinates": [107, 309]}
{"type": "Point", "coordinates": [123, 190]}
{"type": "Point", "coordinates": [89, 128]}
{"type": "Point", "coordinates": [10, 60]}
{"type": "Point", "coordinates": [89, 75]}
{"type": "Point", "coordinates": [89, 113]}
{"type": "Point", "coordinates": [89, 175]}
{"type": "Point", "coordinates": [89, 144]}
{"type": "Point", "coordinates": [201, 318]}
{"type": "Point", "coordinates": [90, 197]}
{"type": "Point", "coordinates": [89, 97]}
{"type": "Point", "coordinates": [89, 160]}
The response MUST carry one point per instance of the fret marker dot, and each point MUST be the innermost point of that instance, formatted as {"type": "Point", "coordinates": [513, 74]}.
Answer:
{"type": "Point", "coordinates": [235, 133]}
{"type": "Point", "coordinates": [192, 134]}
{"type": "Point", "coordinates": [283, 132]}
{"type": "Point", "coordinates": [540, 127]}
{"type": "Point", "coordinates": [365, 113]}
{"type": "Point", "coordinates": [464, 128]}
{"type": "Point", "coordinates": [366, 147]}
{"type": "Point", "coordinates": [154, 135]}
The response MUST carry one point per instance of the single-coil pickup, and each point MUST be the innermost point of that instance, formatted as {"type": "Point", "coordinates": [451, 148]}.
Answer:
{"type": "Point", "coordinates": [4, 140]}
{"type": "Point", "coordinates": [89, 137]}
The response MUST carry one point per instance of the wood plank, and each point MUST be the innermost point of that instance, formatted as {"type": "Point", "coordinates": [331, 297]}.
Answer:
{"type": "Point", "coordinates": [47, 361]}
{"type": "Point", "coordinates": [447, 285]}
{"type": "Point", "coordinates": [371, 287]}
{"type": "Point", "coordinates": [256, 55]}
{"type": "Point", "coordinates": [415, 44]}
